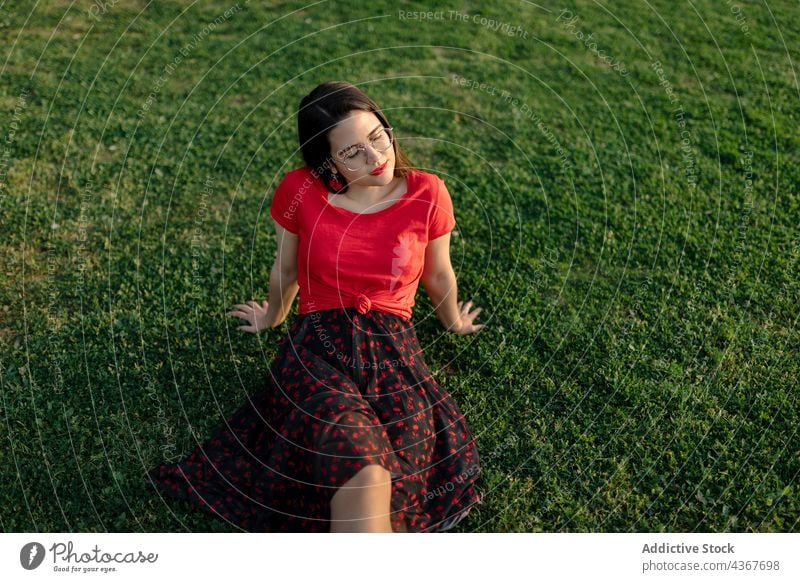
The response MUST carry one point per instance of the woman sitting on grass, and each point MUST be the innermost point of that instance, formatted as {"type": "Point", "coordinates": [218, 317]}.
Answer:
{"type": "Point", "coordinates": [352, 432]}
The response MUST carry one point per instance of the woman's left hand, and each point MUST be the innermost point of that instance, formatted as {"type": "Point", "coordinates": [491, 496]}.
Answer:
{"type": "Point", "coordinates": [466, 325]}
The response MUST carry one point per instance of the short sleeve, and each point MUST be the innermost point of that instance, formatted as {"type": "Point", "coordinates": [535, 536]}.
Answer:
{"type": "Point", "coordinates": [285, 204]}
{"type": "Point", "coordinates": [441, 219]}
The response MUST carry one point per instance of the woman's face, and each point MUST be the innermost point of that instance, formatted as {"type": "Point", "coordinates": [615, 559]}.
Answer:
{"type": "Point", "coordinates": [358, 128]}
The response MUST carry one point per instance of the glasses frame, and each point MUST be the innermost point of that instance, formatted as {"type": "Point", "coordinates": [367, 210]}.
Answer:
{"type": "Point", "coordinates": [362, 148]}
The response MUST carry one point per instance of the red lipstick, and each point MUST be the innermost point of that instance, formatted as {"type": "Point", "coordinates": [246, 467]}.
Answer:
{"type": "Point", "coordinates": [379, 170]}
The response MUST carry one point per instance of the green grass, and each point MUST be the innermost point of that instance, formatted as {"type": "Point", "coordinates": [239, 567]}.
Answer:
{"type": "Point", "coordinates": [639, 367]}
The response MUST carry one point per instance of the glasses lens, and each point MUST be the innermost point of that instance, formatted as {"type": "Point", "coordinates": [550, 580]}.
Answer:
{"type": "Point", "coordinates": [356, 160]}
{"type": "Point", "coordinates": [383, 141]}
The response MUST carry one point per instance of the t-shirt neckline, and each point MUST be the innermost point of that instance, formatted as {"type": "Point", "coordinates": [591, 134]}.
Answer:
{"type": "Point", "coordinates": [397, 202]}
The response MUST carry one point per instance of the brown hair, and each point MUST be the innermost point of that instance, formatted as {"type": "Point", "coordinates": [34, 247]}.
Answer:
{"type": "Point", "coordinates": [319, 113]}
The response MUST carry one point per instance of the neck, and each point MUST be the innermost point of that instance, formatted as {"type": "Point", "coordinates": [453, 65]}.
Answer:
{"type": "Point", "coordinates": [370, 194]}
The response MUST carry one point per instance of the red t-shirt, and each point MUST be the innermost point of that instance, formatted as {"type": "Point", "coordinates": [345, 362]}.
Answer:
{"type": "Point", "coordinates": [366, 261]}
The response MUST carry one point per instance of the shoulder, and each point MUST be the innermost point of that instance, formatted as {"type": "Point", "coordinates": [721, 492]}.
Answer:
{"type": "Point", "coordinates": [295, 184]}
{"type": "Point", "coordinates": [425, 178]}
{"type": "Point", "coordinates": [427, 182]}
{"type": "Point", "coordinates": [298, 176]}
{"type": "Point", "coordinates": [435, 189]}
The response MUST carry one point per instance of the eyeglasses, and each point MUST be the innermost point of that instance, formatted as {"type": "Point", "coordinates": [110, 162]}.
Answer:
{"type": "Point", "coordinates": [355, 157]}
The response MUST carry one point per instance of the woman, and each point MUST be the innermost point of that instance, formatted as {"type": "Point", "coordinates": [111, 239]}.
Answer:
{"type": "Point", "coordinates": [352, 432]}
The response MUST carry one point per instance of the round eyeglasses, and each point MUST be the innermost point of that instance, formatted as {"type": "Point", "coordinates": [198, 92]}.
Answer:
{"type": "Point", "coordinates": [355, 157]}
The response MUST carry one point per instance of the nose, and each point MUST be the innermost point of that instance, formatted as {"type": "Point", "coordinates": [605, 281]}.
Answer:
{"type": "Point", "coordinates": [373, 155]}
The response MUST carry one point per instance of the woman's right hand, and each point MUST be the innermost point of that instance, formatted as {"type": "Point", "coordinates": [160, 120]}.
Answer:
{"type": "Point", "coordinates": [465, 325]}
{"type": "Point", "coordinates": [252, 313]}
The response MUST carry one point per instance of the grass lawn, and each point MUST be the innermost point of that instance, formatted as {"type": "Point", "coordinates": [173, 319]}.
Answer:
{"type": "Point", "coordinates": [625, 180]}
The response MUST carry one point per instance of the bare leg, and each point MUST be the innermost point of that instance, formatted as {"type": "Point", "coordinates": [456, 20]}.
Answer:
{"type": "Point", "coordinates": [363, 504]}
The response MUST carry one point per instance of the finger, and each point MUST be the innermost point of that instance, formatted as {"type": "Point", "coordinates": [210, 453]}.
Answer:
{"type": "Point", "coordinates": [477, 311]}
{"type": "Point", "coordinates": [468, 305]}
{"type": "Point", "coordinates": [246, 328]}
{"type": "Point", "coordinates": [242, 307]}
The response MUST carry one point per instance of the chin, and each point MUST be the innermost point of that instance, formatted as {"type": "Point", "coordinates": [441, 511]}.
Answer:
{"type": "Point", "coordinates": [386, 176]}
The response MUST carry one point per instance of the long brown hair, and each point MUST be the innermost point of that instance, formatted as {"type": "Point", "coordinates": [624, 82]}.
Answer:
{"type": "Point", "coordinates": [319, 113]}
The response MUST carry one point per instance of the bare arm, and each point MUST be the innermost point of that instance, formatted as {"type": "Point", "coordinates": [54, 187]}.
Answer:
{"type": "Point", "coordinates": [439, 281]}
{"type": "Point", "coordinates": [283, 288]}
{"type": "Point", "coordinates": [283, 285]}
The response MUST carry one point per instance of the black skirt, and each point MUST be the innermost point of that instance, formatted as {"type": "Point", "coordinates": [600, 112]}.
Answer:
{"type": "Point", "coordinates": [346, 390]}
